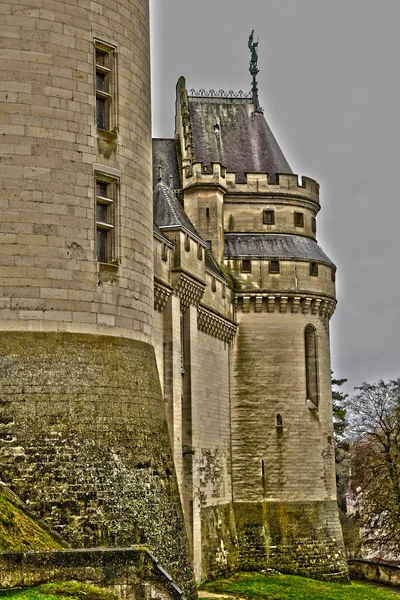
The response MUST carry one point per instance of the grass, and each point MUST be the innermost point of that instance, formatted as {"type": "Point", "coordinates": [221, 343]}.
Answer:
{"type": "Point", "coordinates": [19, 531]}
{"type": "Point", "coordinates": [71, 590]}
{"type": "Point", "coordinates": [256, 586]}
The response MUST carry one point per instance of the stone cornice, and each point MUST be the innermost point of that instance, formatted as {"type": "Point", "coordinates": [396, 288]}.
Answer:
{"type": "Point", "coordinates": [214, 325]}
{"type": "Point", "coordinates": [283, 303]}
{"type": "Point", "coordinates": [189, 291]}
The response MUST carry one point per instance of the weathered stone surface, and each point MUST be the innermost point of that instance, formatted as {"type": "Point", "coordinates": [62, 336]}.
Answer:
{"type": "Point", "coordinates": [93, 460]}
{"type": "Point", "coordinates": [302, 538]}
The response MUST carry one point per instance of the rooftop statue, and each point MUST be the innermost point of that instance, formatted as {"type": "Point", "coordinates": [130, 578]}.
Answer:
{"type": "Point", "coordinates": [253, 47]}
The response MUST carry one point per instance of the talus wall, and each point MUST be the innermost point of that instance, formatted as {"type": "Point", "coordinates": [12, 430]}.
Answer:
{"type": "Point", "coordinates": [84, 442]}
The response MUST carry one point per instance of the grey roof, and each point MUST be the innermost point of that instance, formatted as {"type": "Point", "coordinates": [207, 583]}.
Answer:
{"type": "Point", "coordinates": [164, 156]}
{"type": "Point", "coordinates": [157, 231]}
{"type": "Point", "coordinates": [213, 266]}
{"type": "Point", "coordinates": [274, 245]}
{"type": "Point", "coordinates": [244, 143]}
{"type": "Point", "coordinates": [167, 211]}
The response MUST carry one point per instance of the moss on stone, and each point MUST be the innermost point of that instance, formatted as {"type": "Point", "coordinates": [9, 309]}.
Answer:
{"type": "Point", "coordinates": [20, 531]}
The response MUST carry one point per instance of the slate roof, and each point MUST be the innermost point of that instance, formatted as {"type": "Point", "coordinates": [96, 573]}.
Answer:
{"type": "Point", "coordinates": [213, 266]}
{"type": "Point", "coordinates": [160, 234]}
{"type": "Point", "coordinates": [244, 143]}
{"type": "Point", "coordinates": [164, 156]}
{"type": "Point", "coordinates": [260, 245]}
{"type": "Point", "coordinates": [167, 211]}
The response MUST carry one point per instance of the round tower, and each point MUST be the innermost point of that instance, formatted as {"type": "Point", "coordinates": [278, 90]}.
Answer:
{"type": "Point", "coordinates": [282, 430]}
{"type": "Point", "coordinates": [83, 432]}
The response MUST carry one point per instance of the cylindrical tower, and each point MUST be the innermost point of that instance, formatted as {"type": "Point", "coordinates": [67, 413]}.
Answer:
{"type": "Point", "coordinates": [83, 432]}
{"type": "Point", "coordinates": [282, 430]}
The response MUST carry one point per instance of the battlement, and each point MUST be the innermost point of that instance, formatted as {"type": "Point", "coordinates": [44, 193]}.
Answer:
{"type": "Point", "coordinates": [256, 183]}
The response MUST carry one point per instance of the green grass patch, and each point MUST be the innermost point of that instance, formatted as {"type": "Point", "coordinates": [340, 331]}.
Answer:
{"type": "Point", "coordinates": [290, 587]}
{"type": "Point", "coordinates": [19, 531]}
{"type": "Point", "coordinates": [71, 590]}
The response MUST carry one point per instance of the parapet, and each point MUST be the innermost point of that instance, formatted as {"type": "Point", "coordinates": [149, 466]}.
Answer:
{"type": "Point", "coordinates": [255, 183]}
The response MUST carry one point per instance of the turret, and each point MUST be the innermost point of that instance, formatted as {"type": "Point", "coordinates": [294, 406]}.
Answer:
{"type": "Point", "coordinates": [283, 471]}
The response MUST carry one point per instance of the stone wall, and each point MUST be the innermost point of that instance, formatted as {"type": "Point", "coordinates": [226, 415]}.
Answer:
{"type": "Point", "coordinates": [300, 538]}
{"type": "Point", "coordinates": [381, 572]}
{"type": "Point", "coordinates": [84, 442]}
{"type": "Point", "coordinates": [131, 573]}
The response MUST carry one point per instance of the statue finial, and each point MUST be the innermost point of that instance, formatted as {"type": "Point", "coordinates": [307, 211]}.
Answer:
{"type": "Point", "coordinates": [253, 46]}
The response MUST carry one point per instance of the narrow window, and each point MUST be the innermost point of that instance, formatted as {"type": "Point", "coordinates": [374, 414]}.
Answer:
{"type": "Point", "coordinates": [314, 269]}
{"type": "Point", "coordinates": [208, 244]}
{"type": "Point", "coordinates": [279, 422]}
{"type": "Point", "coordinates": [314, 224]}
{"type": "Point", "coordinates": [104, 59]}
{"type": "Point", "coordinates": [187, 242]}
{"type": "Point", "coordinates": [274, 266]}
{"type": "Point", "coordinates": [333, 274]}
{"type": "Point", "coordinates": [224, 290]}
{"type": "Point", "coordinates": [214, 284]}
{"type": "Point", "coordinates": [310, 347]}
{"type": "Point", "coordinates": [263, 481]}
{"type": "Point", "coordinates": [199, 252]}
{"type": "Point", "coordinates": [207, 212]}
{"type": "Point", "coordinates": [299, 219]}
{"type": "Point", "coordinates": [246, 266]}
{"type": "Point", "coordinates": [106, 192]}
{"type": "Point", "coordinates": [269, 217]}
{"type": "Point", "coordinates": [164, 254]}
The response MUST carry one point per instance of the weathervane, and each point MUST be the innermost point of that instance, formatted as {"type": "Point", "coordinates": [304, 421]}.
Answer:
{"type": "Point", "coordinates": [254, 72]}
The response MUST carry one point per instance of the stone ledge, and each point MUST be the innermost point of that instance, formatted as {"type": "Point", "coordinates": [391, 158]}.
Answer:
{"type": "Point", "coordinates": [123, 570]}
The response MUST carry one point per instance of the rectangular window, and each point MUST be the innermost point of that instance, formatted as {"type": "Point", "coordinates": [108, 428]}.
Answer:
{"type": "Point", "coordinates": [314, 224]}
{"type": "Point", "coordinates": [314, 269]}
{"type": "Point", "coordinates": [333, 274]}
{"type": "Point", "coordinates": [199, 252]}
{"type": "Point", "coordinates": [274, 266]}
{"type": "Point", "coordinates": [269, 217]}
{"type": "Point", "coordinates": [106, 196]}
{"type": "Point", "coordinates": [187, 242]}
{"type": "Point", "coordinates": [299, 219]}
{"type": "Point", "coordinates": [208, 244]}
{"type": "Point", "coordinates": [246, 266]}
{"type": "Point", "coordinates": [207, 212]}
{"type": "Point", "coordinates": [214, 284]}
{"type": "Point", "coordinates": [164, 253]}
{"type": "Point", "coordinates": [104, 63]}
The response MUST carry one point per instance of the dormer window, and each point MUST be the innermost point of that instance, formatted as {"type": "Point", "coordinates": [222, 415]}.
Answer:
{"type": "Point", "coordinates": [299, 219]}
{"type": "Point", "coordinates": [269, 217]}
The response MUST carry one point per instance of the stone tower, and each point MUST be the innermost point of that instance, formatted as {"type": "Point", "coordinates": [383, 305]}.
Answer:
{"type": "Point", "coordinates": [259, 222]}
{"type": "Point", "coordinates": [83, 435]}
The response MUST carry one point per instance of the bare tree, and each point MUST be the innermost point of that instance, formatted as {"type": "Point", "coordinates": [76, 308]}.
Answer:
{"type": "Point", "coordinates": [374, 417]}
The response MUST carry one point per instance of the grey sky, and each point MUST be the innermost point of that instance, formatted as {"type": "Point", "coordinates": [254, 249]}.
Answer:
{"type": "Point", "coordinates": [330, 84]}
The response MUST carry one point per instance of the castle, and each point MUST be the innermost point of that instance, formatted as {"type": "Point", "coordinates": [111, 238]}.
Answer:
{"type": "Point", "coordinates": [162, 383]}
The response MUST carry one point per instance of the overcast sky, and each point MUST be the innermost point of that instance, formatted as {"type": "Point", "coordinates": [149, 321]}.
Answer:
{"type": "Point", "coordinates": [329, 83]}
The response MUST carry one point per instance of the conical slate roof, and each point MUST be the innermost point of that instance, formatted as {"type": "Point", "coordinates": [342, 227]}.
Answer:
{"type": "Point", "coordinates": [244, 142]}
{"type": "Point", "coordinates": [167, 212]}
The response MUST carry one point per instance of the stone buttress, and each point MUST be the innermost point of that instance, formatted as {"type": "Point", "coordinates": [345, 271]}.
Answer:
{"type": "Point", "coordinates": [84, 438]}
